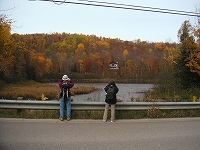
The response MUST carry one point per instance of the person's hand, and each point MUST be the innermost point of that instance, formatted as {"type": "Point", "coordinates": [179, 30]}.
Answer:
{"type": "Point", "coordinates": [68, 79]}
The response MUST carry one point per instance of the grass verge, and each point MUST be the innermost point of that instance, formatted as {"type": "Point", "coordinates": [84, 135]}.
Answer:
{"type": "Point", "coordinates": [91, 114]}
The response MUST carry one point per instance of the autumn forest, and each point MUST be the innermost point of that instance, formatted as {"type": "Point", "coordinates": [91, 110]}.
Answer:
{"type": "Point", "coordinates": [38, 56]}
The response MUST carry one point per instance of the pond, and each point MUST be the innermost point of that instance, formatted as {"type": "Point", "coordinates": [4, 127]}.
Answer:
{"type": "Point", "coordinates": [127, 92]}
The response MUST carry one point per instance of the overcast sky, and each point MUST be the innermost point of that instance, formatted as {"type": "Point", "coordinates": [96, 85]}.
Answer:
{"type": "Point", "coordinates": [48, 17]}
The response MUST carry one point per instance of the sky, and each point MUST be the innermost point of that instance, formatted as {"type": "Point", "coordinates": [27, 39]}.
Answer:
{"type": "Point", "coordinates": [33, 16]}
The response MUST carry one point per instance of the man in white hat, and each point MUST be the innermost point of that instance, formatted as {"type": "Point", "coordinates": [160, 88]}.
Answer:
{"type": "Point", "coordinates": [65, 85]}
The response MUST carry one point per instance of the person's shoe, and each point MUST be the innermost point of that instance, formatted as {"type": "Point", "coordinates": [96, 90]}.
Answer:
{"type": "Point", "coordinates": [61, 119]}
{"type": "Point", "coordinates": [68, 119]}
{"type": "Point", "coordinates": [104, 120]}
{"type": "Point", "coordinates": [111, 121]}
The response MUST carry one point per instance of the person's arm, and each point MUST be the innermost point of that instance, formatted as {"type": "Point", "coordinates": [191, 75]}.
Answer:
{"type": "Point", "coordinates": [60, 83]}
{"type": "Point", "coordinates": [106, 88]}
{"type": "Point", "coordinates": [71, 83]}
{"type": "Point", "coordinates": [116, 89]}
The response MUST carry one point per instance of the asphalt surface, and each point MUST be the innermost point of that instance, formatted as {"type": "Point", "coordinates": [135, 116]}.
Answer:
{"type": "Point", "coordinates": [139, 134]}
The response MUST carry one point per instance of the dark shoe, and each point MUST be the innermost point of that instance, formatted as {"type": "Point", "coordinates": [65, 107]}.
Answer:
{"type": "Point", "coordinates": [61, 119]}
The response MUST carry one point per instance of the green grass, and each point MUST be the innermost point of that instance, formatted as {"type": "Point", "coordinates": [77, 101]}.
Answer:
{"type": "Point", "coordinates": [91, 114]}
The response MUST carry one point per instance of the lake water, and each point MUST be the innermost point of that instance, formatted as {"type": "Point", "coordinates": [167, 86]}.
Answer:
{"type": "Point", "coordinates": [127, 92]}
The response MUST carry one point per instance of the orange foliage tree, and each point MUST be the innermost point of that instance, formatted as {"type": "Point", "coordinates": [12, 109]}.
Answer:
{"type": "Point", "coordinates": [35, 55]}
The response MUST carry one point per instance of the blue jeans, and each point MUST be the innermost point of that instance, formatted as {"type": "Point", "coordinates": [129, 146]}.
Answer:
{"type": "Point", "coordinates": [65, 104]}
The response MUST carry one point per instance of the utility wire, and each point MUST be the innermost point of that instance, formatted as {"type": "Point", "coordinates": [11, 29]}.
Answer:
{"type": "Point", "coordinates": [60, 3]}
{"type": "Point", "coordinates": [124, 6]}
{"type": "Point", "coordinates": [138, 6]}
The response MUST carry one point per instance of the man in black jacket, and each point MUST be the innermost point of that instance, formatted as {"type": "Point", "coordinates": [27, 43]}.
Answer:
{"type": "Point", "coordinates": [111, 90]}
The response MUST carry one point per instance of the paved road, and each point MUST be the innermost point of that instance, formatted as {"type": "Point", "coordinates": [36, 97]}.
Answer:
{"type": "Point", "coordinates": [141, 134]}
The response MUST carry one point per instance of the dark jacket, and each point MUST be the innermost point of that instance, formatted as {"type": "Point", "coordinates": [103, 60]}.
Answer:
{"type": "Point", "coordinates": [112, 101]}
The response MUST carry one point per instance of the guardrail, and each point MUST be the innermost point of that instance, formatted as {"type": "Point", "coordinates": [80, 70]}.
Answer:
{"type": "Point", "coordinates": [54, 104]}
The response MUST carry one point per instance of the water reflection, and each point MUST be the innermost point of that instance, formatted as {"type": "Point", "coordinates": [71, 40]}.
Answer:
{"type": "Point", "coordinates": [127, 92]}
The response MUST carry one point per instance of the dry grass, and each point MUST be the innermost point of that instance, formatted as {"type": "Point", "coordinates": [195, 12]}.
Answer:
{"type": "Point", "coordinates": [33, 90]}
{"type": "Point", "coordinates": [83, 90]}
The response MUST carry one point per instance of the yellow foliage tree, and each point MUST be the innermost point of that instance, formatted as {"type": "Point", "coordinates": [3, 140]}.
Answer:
{"type": "Point", "coordinates": [194, 63]}
{"type": "Point", "coordinates": [125, 54]}
{"type": "Point", "coordinates": [103, 44]}
{"type": "Point", "coordinates": [61, 57]}
{"type": "Point", "coordinates": [80, 48]}
{"type": "Point", "coordinates": [6, 49]}
{"type": "Point", "coordinates": [130, 65]}
{"type": "Point", "coordinates": [41, 65]}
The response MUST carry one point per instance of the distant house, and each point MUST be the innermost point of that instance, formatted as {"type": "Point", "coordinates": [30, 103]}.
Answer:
{"type": "Point", "coordinates": [113, 65]}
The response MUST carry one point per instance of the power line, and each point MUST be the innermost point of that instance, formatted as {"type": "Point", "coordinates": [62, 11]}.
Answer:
{"type": "Point", "coordinates": [138, 6]}
{"type": "Point", "coordinates": [125, 6]}
{"type": "Point", "coordinates": [58, 3]}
